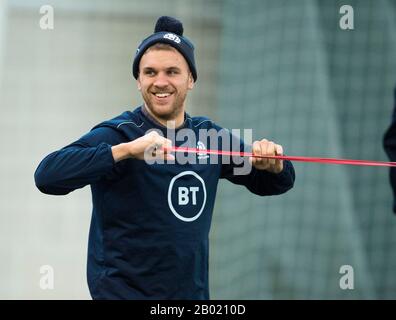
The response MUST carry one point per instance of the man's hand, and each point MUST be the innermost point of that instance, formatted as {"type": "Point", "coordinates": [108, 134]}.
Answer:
{"type": "Point", "coordinates": [267, 148]}
{"type": "Point", "coordinates": [147, 147]}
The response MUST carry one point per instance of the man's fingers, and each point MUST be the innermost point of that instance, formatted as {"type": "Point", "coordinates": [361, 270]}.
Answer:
{"type": "Point", "coordinates": [258, 151]}
{"type": "Point", "coordinates": [158, 147]}
{"type": "Point", "coordinates": [256, 148]}
{"type": "Point", "coordinates": [279, 162]}
{"type": "Point", "coordinates": [267, 148]}
{"type": "Point", "coordinates": [271, 152]}
{"type": "Point", "coordinates": [279, 150]}
{"type": "Point", "coordinates": [164, 146]}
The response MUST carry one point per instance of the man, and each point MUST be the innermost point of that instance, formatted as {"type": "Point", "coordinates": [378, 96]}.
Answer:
{"type": "Point", "coordinates": [390, 148]}
{"type": "Point", "coordinates": [150, 222]}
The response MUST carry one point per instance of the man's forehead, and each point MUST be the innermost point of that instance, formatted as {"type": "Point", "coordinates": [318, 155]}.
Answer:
{"type": "Point", "coordinates": [163, 58]}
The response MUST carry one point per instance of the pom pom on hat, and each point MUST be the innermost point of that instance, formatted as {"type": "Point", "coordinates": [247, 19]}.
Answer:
{"type": "Point", "coordinates": [169, 24]}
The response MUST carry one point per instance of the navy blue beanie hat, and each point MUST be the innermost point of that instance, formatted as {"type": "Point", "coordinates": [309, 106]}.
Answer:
{"type": "Point", "coordinates": [167, 30]}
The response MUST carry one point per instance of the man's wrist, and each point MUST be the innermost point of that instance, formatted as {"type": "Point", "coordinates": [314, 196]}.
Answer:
{"type": "Point", "coordinates": [121, 152]}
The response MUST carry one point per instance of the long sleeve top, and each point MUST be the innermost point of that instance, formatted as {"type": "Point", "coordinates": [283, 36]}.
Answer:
{"type": "Point", "coordinates": [150, 222]}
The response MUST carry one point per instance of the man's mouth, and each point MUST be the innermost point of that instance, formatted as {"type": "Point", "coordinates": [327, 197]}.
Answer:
{"type": "Point", "coordinates": [162, 95]}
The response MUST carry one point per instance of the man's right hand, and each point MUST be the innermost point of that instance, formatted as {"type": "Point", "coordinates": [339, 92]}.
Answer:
{"type": "Point", "coordinates": [147, 147]}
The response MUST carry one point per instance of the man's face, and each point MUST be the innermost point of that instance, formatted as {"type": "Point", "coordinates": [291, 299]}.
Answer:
{"type": "Point", "coordinates": [164, 79]}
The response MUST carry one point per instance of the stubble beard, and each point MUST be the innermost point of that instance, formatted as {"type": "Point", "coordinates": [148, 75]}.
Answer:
{"type": "Point", "coordinates": [177, 107]}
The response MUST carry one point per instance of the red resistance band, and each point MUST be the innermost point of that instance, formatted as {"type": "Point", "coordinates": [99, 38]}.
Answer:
{"type": "Point", "coordinates": [292, 158]}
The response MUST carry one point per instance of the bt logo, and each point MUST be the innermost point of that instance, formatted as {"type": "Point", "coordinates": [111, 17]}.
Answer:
{"type": "Point", "coordinates": [184, 195]}
{"type": "Point", "coordinates": [187, 196]}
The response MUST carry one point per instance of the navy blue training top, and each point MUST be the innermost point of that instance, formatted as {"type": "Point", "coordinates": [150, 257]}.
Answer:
{"type": "Point", "coordinates": [150, 223]}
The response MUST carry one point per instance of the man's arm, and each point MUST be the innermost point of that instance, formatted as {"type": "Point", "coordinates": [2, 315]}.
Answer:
{"type": "Point", "coordinates": [146, 147]}
{"type": "Point", "coordinates": [267, 176]}
{"type": "Point", "coordinates": [83, 162]}
{"type": "Point", "coordinates": [90, 159]}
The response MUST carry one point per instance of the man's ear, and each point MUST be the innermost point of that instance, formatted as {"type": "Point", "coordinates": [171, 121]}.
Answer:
{"type": "Point", "coordinates": [190, 81]}
{"type": "Point", "coordinates": [139, 85]}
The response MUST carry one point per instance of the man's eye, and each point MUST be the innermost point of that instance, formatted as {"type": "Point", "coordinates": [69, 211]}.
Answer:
{"type": "Point", "coordinates": [173, 72]}
{"type": "Point", "coordinates": [149, 73]}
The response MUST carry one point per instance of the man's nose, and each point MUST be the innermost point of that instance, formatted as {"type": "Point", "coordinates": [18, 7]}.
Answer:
{"type": "Point", "coordinates": [161, 80]}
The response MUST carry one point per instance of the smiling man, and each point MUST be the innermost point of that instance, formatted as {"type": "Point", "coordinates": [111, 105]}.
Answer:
{"type": "Point", "coordinates": [164, 80]}
{"type": "Point", "coordinates": [150, 222]}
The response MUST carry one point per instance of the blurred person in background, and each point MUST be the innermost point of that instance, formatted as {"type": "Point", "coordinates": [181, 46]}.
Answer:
{"type": "Point", "coordinates": [390, 149]}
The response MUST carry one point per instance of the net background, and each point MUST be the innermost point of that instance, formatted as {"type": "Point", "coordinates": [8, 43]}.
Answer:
{"type": "Point", "coordinates": [283, 68]}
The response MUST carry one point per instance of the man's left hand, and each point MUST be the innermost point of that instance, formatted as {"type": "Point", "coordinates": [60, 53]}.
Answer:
{"type": "Point", "coordinates": [267, 148]}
